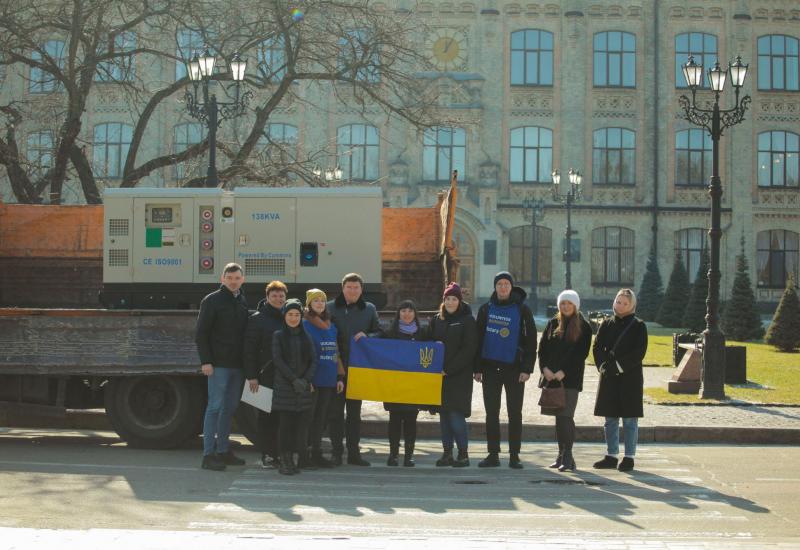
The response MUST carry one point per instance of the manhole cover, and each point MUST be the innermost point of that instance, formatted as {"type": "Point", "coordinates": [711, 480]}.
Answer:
{"type": "Point", "coordinates": [470, 482]}
{"type": "Point", "coordinates": [565, 482]}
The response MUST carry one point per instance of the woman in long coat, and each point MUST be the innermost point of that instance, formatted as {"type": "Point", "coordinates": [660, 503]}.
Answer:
{"type": "Point", "coordinates": [455, 327]}
{"type": "Point", "coordinates": [619, 348]}
{"type": "Point", "coordinates": [562, 357]}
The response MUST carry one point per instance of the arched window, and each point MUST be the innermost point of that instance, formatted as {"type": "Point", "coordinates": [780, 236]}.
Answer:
{"type": "Point", "coordinates": [689, 244]}
{"type": "Point", "coordinates": [358, 151]}
{"type": "Point", "coordinates": [120, 68]}
{"type": "Point", "coordinates": [692, 157]}
{"type": "Point", "coordinates": [778, 159]}
{"type": "Point", "coordinates": [43, 81]}
{"type": "Point", "coordinates": [776, 257]}
{"type": "Point", "coordinates": [521, 244]}
{"type": "Point", "coordinates": [185, 135]}
{"type": "Point", "coordinates": [362, 65]}
{"type": "Point", "coordinates": [614, 156]}
{"type": "Point", "coordinates": [271, 57]}
{"type": "Point", "coordinates": [110, 148]}
{"type": "Point", "coordinates": [615, 59]}
{"type": "Point", "coordinates": [531, 155]}
{"type": "Point", "coordinates": [40, 153]}
{"type": "Point", "coordinates": [444, 150]}
{"type": "Point", "coordinates": [190, 42]}
{"type": "Point", "coordinates": [778, 63]}
{"type": "Point", "coordinates": [612, 256]}
{"type": "Point", "coordinates": [702, 46]}
{"type": "Point", "coordinates": [531, 58]}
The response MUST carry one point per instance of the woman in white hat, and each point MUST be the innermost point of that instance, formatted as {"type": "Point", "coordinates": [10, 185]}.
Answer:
{"type": "Point", "coordinates": [562, 356]}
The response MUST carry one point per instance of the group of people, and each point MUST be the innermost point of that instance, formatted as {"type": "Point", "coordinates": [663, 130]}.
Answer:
{"type": "Point", "coordinates": [301, 352]}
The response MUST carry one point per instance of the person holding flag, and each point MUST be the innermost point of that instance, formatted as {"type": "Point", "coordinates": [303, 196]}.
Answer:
{"type": "Point", "coordinates": [455, 328]}
{"type": "Point", "coordinates": [505, 358]}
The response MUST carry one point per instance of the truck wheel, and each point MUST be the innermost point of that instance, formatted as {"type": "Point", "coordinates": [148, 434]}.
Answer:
{"type": "Point", "coordinates": [154, 412]}
{"type": "Point", "coordinates": [247, 422]}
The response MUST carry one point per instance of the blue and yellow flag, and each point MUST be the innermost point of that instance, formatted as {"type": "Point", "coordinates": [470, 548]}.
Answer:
{"type": "Point", "coordinates": [395, 371]}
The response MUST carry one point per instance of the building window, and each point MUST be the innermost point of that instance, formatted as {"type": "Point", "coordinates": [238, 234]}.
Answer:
{"type": "Point", "coordinates": [614, 156]}
{"type": "Point", "coordinates": [271, 56]}
{"type": "Point", "coordinates": [689, 245]}
{"type": "Point", "coordinates": [43, 81]}
{"type": "Point", "coordinates": [612, 256]}
{"type": "Point", "coordinates": [531, 155]}
{"type": "Point", "coordinates": [615, 59]}
{"type": "Point", "coordinates": [121, 68]}
{"type": "Point", "coordinates": [110, 149]}
{"type": "Point", "coordinates": [778, 159]}
{"type": "Point", "coordinates": [443, 150]}
{"type": "Point", "coordinates": [700, 45]}
{"type": "Point", "coordinates": [692, 157]}
{"type": "Point", "coordinates": [190, 42]}
{"type": "Point", "coordinates": [778, 63]}
{"type": "Point", "coordinates": [279, 148]}
{"type": "Point", "coordinates": [358, 152]}
{"type": "Point", "coordinates": [490, 252]}
{"type": "Point", "coordinates": [39, 153]}
{"type": "Point", "coordinates": [520, 250]}
{"type": "Point", "coordinates": [185, 135]}
{"type": "Point", "coordinates": [531, 58]}
{"type": "Point", "coordinates": [777, 257]}
{"type": "Point", "coordinates": [355, 57]}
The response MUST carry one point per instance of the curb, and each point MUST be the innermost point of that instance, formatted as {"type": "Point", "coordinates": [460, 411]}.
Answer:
{"type": "Point", "coordinates": [97, 420]}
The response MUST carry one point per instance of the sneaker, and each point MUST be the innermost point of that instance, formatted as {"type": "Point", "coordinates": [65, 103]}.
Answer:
{"type": "Point", "coordinates": [211, 462]}
{"type": "Point", "coordinates": [514, 462]}
{"type": "Point", "coordinates": [356, 460]}
{"type": "Point", "coordinates": [608, 463]}
{"type": "Point", "coordinates": [231, 459]}
{"type": "Point", "coordinates": [269, 463]}
{"type": "Point", "coordinates": [557, 463]}
{"type": "Point", "coordinates": [492, 460]}
{"type": "Point", "coordinates": [626, 465]}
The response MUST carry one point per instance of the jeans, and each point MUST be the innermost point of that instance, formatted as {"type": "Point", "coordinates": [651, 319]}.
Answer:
{"type": "Point", "coordinates": [337, 425]}
{"type": "Point", "coordinates": [319, 418]}
{"type": "Point", "coordinates": [224, 392]}
{"type": "Point", "coordinates": [630, 427]}
{"type": "Point", "coordinates": [494, 380]}
{"type": "Point", "coordinates": [454, 427]}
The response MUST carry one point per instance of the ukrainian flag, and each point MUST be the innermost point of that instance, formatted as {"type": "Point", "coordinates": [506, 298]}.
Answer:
{"type": "Point", "coordinates": [395, 371]}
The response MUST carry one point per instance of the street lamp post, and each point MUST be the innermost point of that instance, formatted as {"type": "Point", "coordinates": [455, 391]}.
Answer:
{"type": "Point", "coordinates": [328, 175]}
{"type": "Point", "coordinates": [207, 109]}
{"type": "Point", "coordinates": [573, 194]}
{"type": "Point", "coordinates": [715, 121]}
{"type": "Point", "coordinates": [536, 209]}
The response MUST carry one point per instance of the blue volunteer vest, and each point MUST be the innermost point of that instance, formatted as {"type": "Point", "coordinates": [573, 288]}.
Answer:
{"type": "Point", "coordinates": [502, 333]}
{"type": "Point", "coordinates": [327, 352]}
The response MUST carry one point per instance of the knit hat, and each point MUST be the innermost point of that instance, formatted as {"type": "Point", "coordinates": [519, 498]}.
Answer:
{"type": "Point", "coordinates": [453, 290]}
{"type": "Point", "coordinates": [569, 296]}
{"type": "Point", "coordinates": [504, 275]}
{"type": "Point", "coordinates": [314, 293]}
{"type": "Point", "coordinates": [291, 303]}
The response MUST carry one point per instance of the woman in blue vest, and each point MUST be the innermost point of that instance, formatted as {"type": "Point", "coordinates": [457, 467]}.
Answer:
{"type": "Point", "coordinates": [329, 377]}
{"type": "Point", "coordinates": [403, 417]}
{"type": "Point", "coordinates": [505, 358]}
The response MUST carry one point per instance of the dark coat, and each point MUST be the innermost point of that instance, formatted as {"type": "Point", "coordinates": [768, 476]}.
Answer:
{"type": "Point", "coordinates": [526, 347]}
{"type": "Point", "coordinates": [459, 335]}
{"type": "Point", "coordinates": [220, 328]}
{"type": "Point", "coordinates": [557, 354]}
{"type": "Point", "coordinates": [350, 319]}
{"type": "Point", "coordinates": [395, 334]}
{"type": "Point", "coordinates": [620, 395]}
{"type": "Point", "coordinates": [295, 356]}
{"type": "Point", "coordinates": [258, 343]}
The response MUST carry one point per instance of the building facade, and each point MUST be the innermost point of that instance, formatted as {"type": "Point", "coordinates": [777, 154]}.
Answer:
{"type": "Point", "coordinates": [537, 87]}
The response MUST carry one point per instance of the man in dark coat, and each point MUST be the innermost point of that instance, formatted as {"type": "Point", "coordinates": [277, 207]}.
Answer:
{"type": "Point", "coordinates": [354, 318]}
{"type": "Point", "coordinates": [258, 365]}
{"type": "Point", "coordinates": [505, 357]}
{"type": "Point", "coordinates": [619, 348]}
{"type": "Point", "coordinates": [219, 337]}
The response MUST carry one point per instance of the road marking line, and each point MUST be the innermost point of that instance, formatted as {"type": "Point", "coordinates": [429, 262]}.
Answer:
{"type": "Point", "coordinates": [104, 466]}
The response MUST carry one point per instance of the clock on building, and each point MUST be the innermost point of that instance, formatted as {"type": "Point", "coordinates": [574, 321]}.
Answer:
{"type": "Point", "coordinates": [448, 48]}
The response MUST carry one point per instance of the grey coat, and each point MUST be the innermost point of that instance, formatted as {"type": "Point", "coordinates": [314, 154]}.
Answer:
{"type": "Point", "coordinates": [294, 357]}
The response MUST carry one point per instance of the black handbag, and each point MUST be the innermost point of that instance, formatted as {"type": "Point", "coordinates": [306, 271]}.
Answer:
{"type": "Point", "coordinates": [553, 397]}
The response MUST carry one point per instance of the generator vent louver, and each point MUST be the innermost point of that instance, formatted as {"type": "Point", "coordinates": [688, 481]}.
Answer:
{"type": "Point", "coordinates": [118, 257]}
{"type": "Point", "coordinates": [262, 266]}
{"type": "Point", "coordinates": [118, 227]}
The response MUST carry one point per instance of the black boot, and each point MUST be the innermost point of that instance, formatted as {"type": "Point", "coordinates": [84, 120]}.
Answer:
{"type": "Point", "coordinates": [319, 460]}
{"type": "Point", "coordinates": [626, 465]}
{"type": "Point", "coordinates": [354, 459]}
{"type": "Point", "coordinates": [514, 462]}
{"type": "Point", "coordinates": [287, 465]}
{"type": "Point", "coordinates": [492, 460]}
{"type": "Point", "coordinates": [336, 458]}
{"type": "Point", "coordinates": [462, 461]}
{"type": "Point", "coordinates": [304, 462]}
{"type": "Point", "coordinates": [408, 460]}
{"type": "Point", "coordinates": [447, 458]}
{"type": "Point", "coordinates": [567, 462]}
{"type": "Point", "coordinates": [394, 454]}
{"type": "Point", "coordinates": [608, 463]}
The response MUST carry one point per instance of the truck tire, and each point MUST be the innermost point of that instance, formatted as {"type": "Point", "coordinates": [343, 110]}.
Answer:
{"type": "Point", "coordinates": [154, 412]}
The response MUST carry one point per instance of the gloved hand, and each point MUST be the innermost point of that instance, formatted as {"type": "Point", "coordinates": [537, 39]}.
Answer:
{"type": "Point", "coordinates": [300, 385]}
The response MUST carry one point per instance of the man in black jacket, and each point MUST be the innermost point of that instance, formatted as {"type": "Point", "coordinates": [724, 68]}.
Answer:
{"type": "Point", "coordinates": [258, 367]}
{"type": "Point", "coordinates": [219, 337]}
{"type": "Point", "coordinates": [505, 358]}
